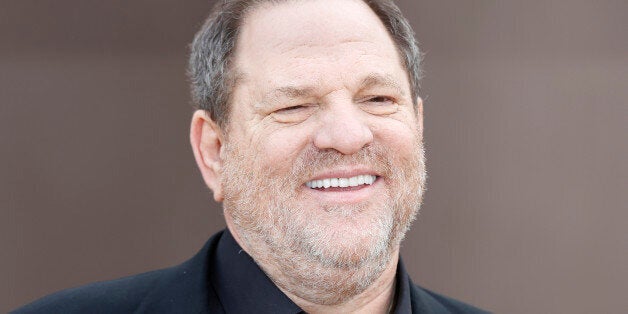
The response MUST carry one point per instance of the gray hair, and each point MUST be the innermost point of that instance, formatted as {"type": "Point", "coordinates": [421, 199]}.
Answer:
{"type": "Point", "coordinates": [213, 79]}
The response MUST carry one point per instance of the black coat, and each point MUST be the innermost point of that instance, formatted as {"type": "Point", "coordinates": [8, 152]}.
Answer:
{"type": "Point", "coordinates": [185, 288]}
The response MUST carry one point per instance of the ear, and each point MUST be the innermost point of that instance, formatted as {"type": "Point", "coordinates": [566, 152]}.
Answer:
{"type": "Point", "coordinates": [419, 114]}
{"type": "Point", "coordinates": [207, 140]}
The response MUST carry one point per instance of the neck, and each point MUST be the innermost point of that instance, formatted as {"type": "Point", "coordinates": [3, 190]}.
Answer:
{"type": "Point", "coordinates": [378, 297]}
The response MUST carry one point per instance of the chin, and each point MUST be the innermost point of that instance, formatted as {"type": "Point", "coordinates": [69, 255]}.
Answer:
{"type": "Point", "coordinates": [349, 242]}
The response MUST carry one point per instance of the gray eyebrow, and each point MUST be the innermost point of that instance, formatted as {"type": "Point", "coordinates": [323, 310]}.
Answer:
{"type": "Point", "coordinates": [291, 92]}
{"type": "Point", "coordinates": [375, 79]}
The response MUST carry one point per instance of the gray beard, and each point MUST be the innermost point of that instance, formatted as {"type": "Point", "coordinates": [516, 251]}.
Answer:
{"type": "Point", "coordinates": [302, 254]}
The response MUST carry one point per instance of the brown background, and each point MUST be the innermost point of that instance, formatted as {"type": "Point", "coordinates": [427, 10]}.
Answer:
{"type": "Point", "coordinates": [526, 120]}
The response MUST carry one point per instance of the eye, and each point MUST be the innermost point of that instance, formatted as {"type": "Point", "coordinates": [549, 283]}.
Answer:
{"type": "Point", "coordinates": [381, 99]}
{"type": "Point", "coordinates": [380, 105]}
{"type": "Point", "coordinates": [293, 114]}
{"type": "Point", "coordinates": [291, 109]}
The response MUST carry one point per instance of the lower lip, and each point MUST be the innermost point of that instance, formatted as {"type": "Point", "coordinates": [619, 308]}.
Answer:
{"type": "Point", "coordinates": [345, 195]}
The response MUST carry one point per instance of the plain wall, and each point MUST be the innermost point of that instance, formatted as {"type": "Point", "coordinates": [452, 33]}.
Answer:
{"type": "Point", "coordinates": [526, 128]}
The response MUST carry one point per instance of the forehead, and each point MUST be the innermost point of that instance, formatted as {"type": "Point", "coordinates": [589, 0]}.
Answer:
{"type": "Point", "coordinates": [310, 22]}
{"type": "Point", "coordinates": [305, 36]}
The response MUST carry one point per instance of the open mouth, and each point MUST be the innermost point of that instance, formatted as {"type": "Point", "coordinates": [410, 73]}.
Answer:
{"type": "Point", "coordinates": [327, 183]}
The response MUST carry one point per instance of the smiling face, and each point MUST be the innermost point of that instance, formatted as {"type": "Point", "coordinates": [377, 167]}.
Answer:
{"type": "Point", "coordinates": [322, 166]}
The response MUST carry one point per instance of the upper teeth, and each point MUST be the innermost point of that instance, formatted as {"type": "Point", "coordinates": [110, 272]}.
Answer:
{"type": "Point", "coordinates": [341, 182]}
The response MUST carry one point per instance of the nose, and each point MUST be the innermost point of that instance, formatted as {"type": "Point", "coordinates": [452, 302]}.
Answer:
{"type": "Point", "coordinates": [343, 128]}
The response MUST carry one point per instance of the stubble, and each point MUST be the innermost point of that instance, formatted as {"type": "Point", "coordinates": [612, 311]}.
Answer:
{"type": "Point", "coordinates": [302, 249]}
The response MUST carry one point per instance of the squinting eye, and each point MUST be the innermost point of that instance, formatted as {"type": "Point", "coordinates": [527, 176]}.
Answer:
{"type": "Point", "coordinates": [381, 99]}
{"type": "Point", "coordinates": [293, 114]}
{"type": "Point", "coordinates": [380, 105]}
{"type": "Point", "coordinates": [291, 108]}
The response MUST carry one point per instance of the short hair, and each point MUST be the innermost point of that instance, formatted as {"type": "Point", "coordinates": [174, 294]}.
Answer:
{"type": "Point", "coordinates": [213, 79]}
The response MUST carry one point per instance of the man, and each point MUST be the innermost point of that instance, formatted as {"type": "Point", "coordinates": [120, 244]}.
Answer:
{"type": "Point", "coordinates": [310, 133]}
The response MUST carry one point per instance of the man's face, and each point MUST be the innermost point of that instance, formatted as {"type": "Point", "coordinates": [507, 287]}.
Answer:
{"type": "Point", "coordinates": [323, 162]}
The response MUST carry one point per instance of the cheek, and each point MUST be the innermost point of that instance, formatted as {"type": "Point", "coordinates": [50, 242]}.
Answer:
{"type": "Point", "coordinates": [279, 148]}
{"type": "Point", "coordinates": [397, 135]}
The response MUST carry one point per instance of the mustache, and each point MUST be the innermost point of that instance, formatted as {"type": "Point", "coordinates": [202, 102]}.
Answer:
{"type": "Point", "coordinates": [313, 160]}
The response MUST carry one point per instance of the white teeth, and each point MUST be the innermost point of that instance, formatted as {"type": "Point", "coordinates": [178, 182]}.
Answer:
{"type": "Point", "coordinates": [341, 182]}
{"type": "Point", "coordinates": [326, 183]}
{"type": "Point", "coordinates": [360, 180]}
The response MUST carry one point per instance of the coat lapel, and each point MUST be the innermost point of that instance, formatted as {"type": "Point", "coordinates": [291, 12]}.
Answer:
{"type": "Point", "coordinates": [185, 288]}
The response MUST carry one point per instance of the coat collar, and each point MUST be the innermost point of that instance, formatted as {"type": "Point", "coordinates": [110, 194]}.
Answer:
{"type": "Point", "coordinates": [185, 288]}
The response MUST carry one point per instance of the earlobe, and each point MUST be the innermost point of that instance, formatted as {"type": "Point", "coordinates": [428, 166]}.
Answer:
{"type": "Point", "coordinates": [206, 140]}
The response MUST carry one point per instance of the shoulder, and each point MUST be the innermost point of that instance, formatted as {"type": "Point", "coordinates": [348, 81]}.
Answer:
{"type": "Point", "coordinates": [117, 296]}
{"type": "Point", "coordinates": [431, 302]}
{"type": "Point", "coordinates": [181, 288]}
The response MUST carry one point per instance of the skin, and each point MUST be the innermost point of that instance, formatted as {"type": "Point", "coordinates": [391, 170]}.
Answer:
{"type": "Point", "coordinates": [315, 80]}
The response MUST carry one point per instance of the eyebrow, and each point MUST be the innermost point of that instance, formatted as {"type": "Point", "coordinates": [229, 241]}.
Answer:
{"type": "Point", "coordinates": [375, 79]}
{"type": "Point", "coordinates": [290, 92]}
